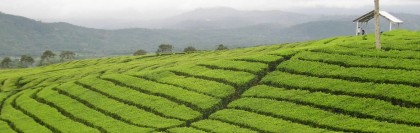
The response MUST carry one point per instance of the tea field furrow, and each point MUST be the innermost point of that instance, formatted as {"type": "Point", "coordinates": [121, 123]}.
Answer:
{"type": "Point", "coordinates": [7, 126]}
{"type": "Point", "coordinates": [10, 126]}
{"type": "Point", "coordinates": [156, 94]}
{"type": "Point", "coordinates": [405, 96]}
{"type": "Point", "coordinates": [252, 61]}
{"type": "Point", "coordinates": [191, 99]}
{"type": "Point", "coordinates": [65, 113]}
{"type": "Point", "coordinates": [151, 103]}
{"type": "Point", "coordinates": [209, 87]}
{"type": "Point", "coordinates": [215, 67]}
{"type": "Point", "coordinates": [208, 78]}
{"type": "Point", "coordinates": [4, 96]}
{"type": "Point", "coordinates": [261, 123]}
{"type": "Point", "coordinates": [340, 104]}
{"type": "Point", "coordinates": [185, 130]}
{"type": "Point", "coordinates": [233, 78]}
{"type": "Point", "coordinates": [253, 67]}
{"type": "Point", "coordinates": [35, 83]}
{"type": "Point", "coordinates": [123, 112]}
{"type": "Point", "coordinates": [296, 121]}
{"type": "Point", "coordinates": [136, 68]}
{"type": "Point", "coordinates": [32, 116]}
{"type": "Point", "coordinates": [1, 84]}
{"type": "Point", "coordinates": [10, 84]}
{"type": "Point", "coordinates": [261, 58]}
{"type": "Point", "coordinates": [240, 89]}
{"type": "Point", "coordinates": [242, 124]}
{"type": "Point", "coordinates": [316, 117]}
{"type": "Point", "coordinates": [84, 113]}
{"type": "Point", "coordinates": [376, 75]}
{"type": "Point", "coordinates": [48, 116]}
{"type": "Point", "coordinates": [369, 52]}
{"type": "Point", "coordinates": [97, 109]}
{"type": "Point", "coordinates": [20, 121]}
{"type": "Point", "coordinates": [219, 127]}
{"type": "Point", "coordinates": [48, 81]}
{"type": "Point", "coordinates": [179, 86]}
{"type": "Point", "coordinates": [358, 61]}
{"type": "Point", "coordinates": [394, 44]}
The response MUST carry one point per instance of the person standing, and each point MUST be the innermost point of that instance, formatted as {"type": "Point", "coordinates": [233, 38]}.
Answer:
{"type": "Point", "coordinates": [363, 31]}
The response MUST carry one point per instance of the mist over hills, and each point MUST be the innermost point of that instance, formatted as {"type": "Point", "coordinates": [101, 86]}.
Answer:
{"type": "Point", "coordinates": [202, 28]}
{"type": "Point", "coordinates": [229, 18]}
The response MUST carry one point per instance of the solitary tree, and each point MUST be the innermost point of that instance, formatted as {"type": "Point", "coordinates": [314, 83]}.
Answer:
{"type": "Point", "coordinates": [221, 47]}
{"type": "Point", "coordinates": [46, 56]}
{"type": "Point", "coordinates": [189, 49]}
{"type": "Point", "coordinates": [69, 55]}
{"type": "Point", "coordinates": [140, 52]}
{"type": "Point", "coordinates": [377, 26]}
{"type": "Point", "coordinates": [164, 49]}
{"type": "Point", "coordinates": [5, 63]}
{"type": "Point", "coordinates": [26, 60]}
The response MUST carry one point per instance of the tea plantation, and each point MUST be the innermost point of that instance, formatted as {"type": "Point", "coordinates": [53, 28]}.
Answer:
{"type": "Point", "coordinates": [340, 84]}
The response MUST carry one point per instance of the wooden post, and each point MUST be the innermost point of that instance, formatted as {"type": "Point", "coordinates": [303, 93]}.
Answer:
{"type": "Point", "coordinates": [377, 26]}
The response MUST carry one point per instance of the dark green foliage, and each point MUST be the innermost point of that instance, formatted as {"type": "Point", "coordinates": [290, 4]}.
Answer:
{"type": "Point", "coordinates": [364, 37]}
{"type": "Point", "coordinates": [26, 60]}
{"type": "Point", "coordinates": [5, 63]}
{"type": "Point", "coordinates": [221, 47]}
{"type": "Point", "coordinates": [46, 56]}
{"type": "Point", "coordinates": [67, 55]}
{"type": "Point", "coordinates": [140, 52]}
{"type": "Point", "coordinates": [189, 49]}
{"type": "Point", "coordinates": [164, 49]}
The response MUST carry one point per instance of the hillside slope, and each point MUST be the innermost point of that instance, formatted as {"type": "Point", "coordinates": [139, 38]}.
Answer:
{"type": "Point", "coordinates": [338, 84]}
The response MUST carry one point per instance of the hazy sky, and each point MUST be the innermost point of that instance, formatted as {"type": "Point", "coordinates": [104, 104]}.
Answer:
{"type": "Point", "coordinates": [74, 10]}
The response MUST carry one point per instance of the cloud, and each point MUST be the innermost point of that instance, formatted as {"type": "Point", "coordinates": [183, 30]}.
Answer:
{"type": "Point", "coordinates": [77, 10]}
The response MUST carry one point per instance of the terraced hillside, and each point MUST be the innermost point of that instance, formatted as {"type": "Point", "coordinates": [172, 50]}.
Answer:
{"type": "Point", "coordinates": [338, 84]}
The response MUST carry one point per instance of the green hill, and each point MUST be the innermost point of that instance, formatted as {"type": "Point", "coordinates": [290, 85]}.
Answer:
{"type": "Point", "coordinates": [23, 36]}
{"type": "Point", "coordinates": [339, 84]}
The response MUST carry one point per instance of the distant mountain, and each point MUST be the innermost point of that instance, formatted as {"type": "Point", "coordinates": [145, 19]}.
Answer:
{"type": "Point", "coordinates": [19, 35]}
{"type": "Point", "coordinates": [228, 18]}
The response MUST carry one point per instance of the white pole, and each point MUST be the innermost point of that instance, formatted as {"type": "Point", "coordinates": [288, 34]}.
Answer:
{"type": "Point", "coordinates": [357, 28]}
{"type": "Point", "coordinates": [390, 26]}
{"type": "Point", "coordinates": [377, 26]}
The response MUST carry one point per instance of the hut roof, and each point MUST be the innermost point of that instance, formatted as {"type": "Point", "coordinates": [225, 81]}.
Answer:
{"type": "Point", "coordinates": [367, 17]}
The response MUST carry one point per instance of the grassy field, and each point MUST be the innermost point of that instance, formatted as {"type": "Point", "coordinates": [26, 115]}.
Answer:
{"type": "Point", "coordinates": [340, 84]}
